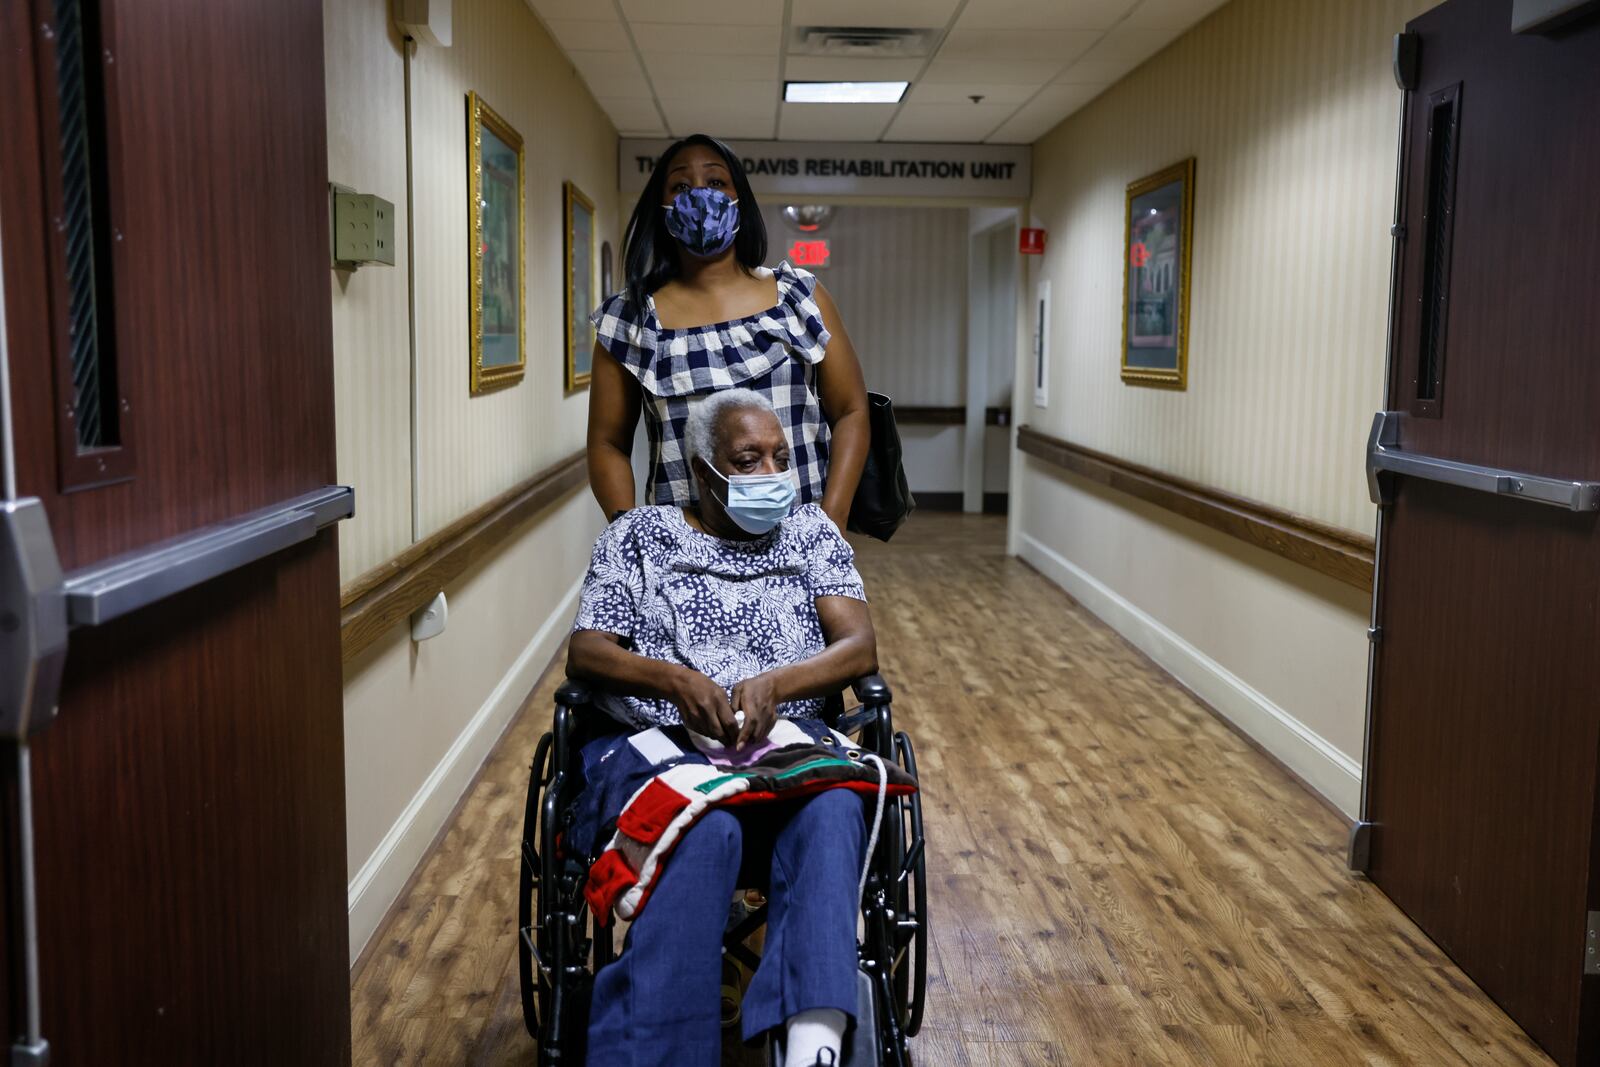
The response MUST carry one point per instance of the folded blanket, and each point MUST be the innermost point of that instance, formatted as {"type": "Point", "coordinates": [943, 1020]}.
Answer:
{"type": "Point", "coordinates": [643, 791]}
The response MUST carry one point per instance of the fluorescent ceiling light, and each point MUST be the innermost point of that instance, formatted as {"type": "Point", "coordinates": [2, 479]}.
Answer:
{"type": "Point", "coordinates": [844, 92]}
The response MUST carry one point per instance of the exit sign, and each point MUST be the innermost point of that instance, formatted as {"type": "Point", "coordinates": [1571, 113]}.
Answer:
{"type": "Point", "coordinates": [810, 253]}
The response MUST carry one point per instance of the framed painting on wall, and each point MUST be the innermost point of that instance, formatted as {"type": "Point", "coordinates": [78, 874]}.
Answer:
{"type": "Point", "coordinates": [580, 271]}
{"type": "Point", "coordinates": [497, 265]}
{"type": "Point", "coordinates": [1158, 230]}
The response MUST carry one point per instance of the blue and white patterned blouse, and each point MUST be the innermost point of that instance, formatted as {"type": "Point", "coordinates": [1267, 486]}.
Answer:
{"type": "Point", "coordinates": [774, 352]}
{"type": "Point", "coordinates": [729, 609]}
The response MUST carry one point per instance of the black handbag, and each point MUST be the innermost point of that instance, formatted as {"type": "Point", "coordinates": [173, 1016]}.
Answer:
{"type": "Point", "coordinates": [883, 499]}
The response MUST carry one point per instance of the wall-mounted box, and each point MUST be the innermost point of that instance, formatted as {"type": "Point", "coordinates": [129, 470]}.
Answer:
{"type": "Point", "coordinates": [363, 229]}
{"type": "Point", "coordinates": [426, 21]}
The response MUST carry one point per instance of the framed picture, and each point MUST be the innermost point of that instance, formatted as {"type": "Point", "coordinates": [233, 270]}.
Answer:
{"type": "Point", "coordinates": [497, 227]}
{"type": "Point", "coordinates": [580, 261]}
{"type": "Point", "coordinates": [1041, 345]}
{"type": "Point", "coordinates": [607, 285]}
{"type": "Point", "coordinates": [1157, 238]}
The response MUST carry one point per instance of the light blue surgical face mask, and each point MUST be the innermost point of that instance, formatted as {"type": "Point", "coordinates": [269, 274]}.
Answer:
{"type": "Point", "coordinates": [758, 502]}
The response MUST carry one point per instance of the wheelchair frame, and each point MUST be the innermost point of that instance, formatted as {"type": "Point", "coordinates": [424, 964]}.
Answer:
{"type": "Point", "coordinates": [560, 944]}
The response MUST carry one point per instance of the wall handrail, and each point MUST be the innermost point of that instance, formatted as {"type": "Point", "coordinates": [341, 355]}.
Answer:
{"type": "Point", "coordinates": [1340, 554]}
{"type": "Point", "coordinates": [377, 600]}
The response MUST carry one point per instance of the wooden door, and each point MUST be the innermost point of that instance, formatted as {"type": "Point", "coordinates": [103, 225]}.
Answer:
{"type": "Point", "coordinates": [163, 226]}
{"type": "Point", "coordinates": [1485, 715]}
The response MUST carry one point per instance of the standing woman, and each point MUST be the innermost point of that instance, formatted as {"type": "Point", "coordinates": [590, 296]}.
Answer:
{"type": "Point", "coordinates": [700, 314]}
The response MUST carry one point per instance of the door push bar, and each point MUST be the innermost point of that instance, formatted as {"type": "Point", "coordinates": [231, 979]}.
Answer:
{"type": "Point", "coordinates": [1384, 454]}
{"type": "Point", "coordinates": [39, 606]}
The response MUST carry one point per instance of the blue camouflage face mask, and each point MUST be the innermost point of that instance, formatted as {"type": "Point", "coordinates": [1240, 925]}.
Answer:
{"type": "Point", "coordinates": [758, 502]}
{"type": "Point", "coordinates": [705, 221]}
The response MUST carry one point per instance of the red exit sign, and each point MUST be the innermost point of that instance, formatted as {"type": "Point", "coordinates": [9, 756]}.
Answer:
{"type": "Point", "coordinates": [812, 253]}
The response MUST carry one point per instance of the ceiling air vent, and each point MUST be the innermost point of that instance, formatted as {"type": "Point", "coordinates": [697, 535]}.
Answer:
{"type": "Point", "coordinates": [861, 42]}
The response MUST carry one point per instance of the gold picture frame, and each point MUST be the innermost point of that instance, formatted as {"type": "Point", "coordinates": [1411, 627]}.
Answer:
{"type": "Point", "coordinates": [498, 301]}
{"type": "Point", "coordinates": [579, 262]}
{"type": "Point", "coordinates": [1157, 249]}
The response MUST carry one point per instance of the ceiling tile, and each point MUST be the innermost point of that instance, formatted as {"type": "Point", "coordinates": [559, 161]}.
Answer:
{"type": "Point", "coordinates": [947, 122]}
{"type": "Point", "coordinates": [1040, 115]}
{"type": "Point", "coordinates": [629, 114]}
{"type": "Point", "coordinates": [887, 13]}
{"type": "Point", "coordinates": [614, 75]}
{"type": "Point", "coordinates": [997, 71]}
{"type": "Point", "coordinates": [1117, 53]}
{"type": "Point", "coordinates": [834, 122]}
{"type": "Point", "coordinates": [962, 92]}
{"type": "Point", "coordinates": [575, 36]}
{"type": "Point", "coordinates": [700, 90]}
{"type": "Point", "coordinates": [574, 10]}
{"type": "Point", "coordinates": [707, 12]}
{"type": "Point", "coordinates": [1058, 45]}
{"type": "Point", "coordinates": [706, 44]}
{"type": "Point", "coordinates": [731, 129]}
{"type": "Point", "coordinates": [1171, 14]}
{"type": "Point", "coordinates": [675, 66]}
{"type": "Point", "coordinates": [709, 114]}
{"type": "Point", "coordinates": [1043, 14]}
{"type": "Point", "coordinates": [849, 69]}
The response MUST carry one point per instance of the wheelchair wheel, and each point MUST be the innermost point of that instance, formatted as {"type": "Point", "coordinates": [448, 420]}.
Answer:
{"type": "Point", "coordinates": [910, 965]}
{"type": "Point", "coordinates": [535, 986]}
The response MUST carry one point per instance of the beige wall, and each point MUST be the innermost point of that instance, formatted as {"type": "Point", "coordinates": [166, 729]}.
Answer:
{"type": "Point", "coordinates": [1291, 112]}
{"type": "Point", "coordinates": [420, 717]}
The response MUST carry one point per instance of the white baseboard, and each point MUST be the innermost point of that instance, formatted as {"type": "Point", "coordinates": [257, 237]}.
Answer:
{"type": "Point", "coordinates": [385, 873]}
{"type": "Point", "coordinates": [1323, 767]}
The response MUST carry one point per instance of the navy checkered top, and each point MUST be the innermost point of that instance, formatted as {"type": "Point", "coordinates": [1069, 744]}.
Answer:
{"type": "Point", "coordinates": [773, 352]}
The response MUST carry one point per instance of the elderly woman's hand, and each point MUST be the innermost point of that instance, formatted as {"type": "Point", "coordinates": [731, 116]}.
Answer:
{"type": "Point", "coordinates": [758, 698]}
{"type": "Point", "coordinates": [704, 705]}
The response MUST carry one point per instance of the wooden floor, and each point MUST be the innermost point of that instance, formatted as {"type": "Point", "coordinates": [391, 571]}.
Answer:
{"type": "Point", "coordinates": [1116, 877]}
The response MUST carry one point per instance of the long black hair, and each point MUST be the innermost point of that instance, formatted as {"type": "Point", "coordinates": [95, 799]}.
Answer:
{"type": "Point", "coordinates": [650, 252]}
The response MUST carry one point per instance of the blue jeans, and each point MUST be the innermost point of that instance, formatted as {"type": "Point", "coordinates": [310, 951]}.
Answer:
{"type": "Point", "coordinates": [659, 1003]}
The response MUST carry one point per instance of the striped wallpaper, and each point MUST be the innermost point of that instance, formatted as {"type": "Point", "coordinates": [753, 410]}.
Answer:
{"type": "Point", "coordinates": [469, 448]}
{"type": "Point", "coordinates": [1291, 112]}
{"type": "Point", "coordinates": [372, 385]}
{"type": "Point", "coordinates": [899, 278]}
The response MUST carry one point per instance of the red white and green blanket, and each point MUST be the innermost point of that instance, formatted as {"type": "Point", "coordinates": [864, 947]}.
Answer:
{"type": "Point", "coordinates": [643, 791]}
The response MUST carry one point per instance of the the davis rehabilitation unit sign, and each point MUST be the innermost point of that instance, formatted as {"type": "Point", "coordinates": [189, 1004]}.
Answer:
{"type": "Point", "coordinates": [800, 168]}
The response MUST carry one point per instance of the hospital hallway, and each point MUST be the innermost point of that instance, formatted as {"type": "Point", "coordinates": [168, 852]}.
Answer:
{"type": "Point", "coordinates": [1193, 399]}
{"type": "Point", "coordinates": [1116, 878]}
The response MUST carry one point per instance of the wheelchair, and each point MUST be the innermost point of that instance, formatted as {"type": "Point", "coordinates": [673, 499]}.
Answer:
{"type": "Point", "coordinates": [561, 945]}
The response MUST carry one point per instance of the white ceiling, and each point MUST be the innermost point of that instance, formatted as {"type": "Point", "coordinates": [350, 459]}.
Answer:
{"type": "Point", "coordinates": [674, 67]}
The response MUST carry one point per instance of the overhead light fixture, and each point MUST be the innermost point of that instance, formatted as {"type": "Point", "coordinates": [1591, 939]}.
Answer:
{"type": "Point", "coordinates": [844, 92]}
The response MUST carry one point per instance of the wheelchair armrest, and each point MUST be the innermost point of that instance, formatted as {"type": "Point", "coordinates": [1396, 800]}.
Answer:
{"type": "Point", "coordinates": [574, 694]}
{"type": "Point", "coordinates": [872, 690]}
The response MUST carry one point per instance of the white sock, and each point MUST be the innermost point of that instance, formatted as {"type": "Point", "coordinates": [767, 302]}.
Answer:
{"type": "Point", "coordinates": [809, 1033]}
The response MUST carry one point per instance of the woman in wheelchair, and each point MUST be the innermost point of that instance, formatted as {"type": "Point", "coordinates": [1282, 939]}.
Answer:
{"type": "Point", "coordinates": [725, 618]}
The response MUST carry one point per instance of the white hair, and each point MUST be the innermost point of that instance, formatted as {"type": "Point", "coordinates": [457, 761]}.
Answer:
{"type": "Point", "coordinates": [706, 413]}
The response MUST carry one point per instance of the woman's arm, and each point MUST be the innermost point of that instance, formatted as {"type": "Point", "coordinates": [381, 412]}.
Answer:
{"type": "Point", "coordinates": [844, 399]}
{"type": "Point", "coordinates": [614, 401]}
{"type": "Point", "coordinates": [852, 652]}
{"type": "Point", "coordinates": [599, 657]}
